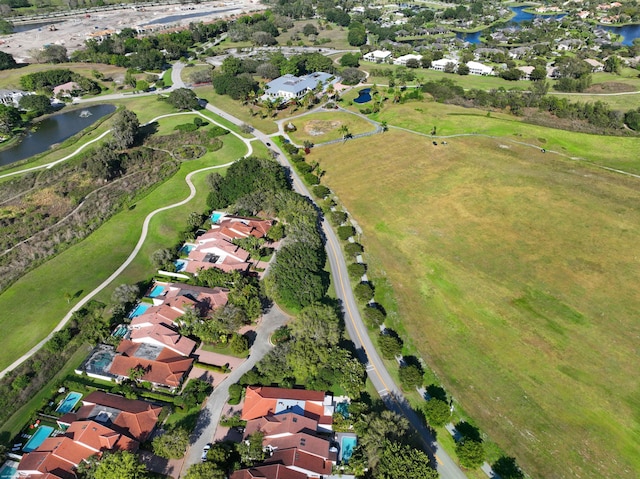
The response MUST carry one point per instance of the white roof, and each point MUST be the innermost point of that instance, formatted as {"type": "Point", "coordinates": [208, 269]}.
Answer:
{"type": "Point", "coordinates": [379, 54]}
{"type": "Point", "coordinates": [443, 62]}
{"type": "Point", "coordinates": [405, 58]}
{"type": "Point", "coordinates": [479, 66]}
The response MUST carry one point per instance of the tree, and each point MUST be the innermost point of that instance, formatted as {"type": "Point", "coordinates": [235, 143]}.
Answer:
{"type": "Point", "coordinates": [251, 449]}
{"type": "Point", "coordinates": [352, 76]}
{"type": "Point", "coordinates": [437, 412]}
{"type": "Point", "coordinates": [205, 470]}
{"type": "Point", "coordinates": [470, 453]}
{"type": "Point", "coordinates": [161, 257]}
{"type": "Point", "coordinates": [9, 119]}
{"type": "Point", "coordinates": [239, 344]}
{"type": "Point", "coordinates": [137, 373]}
{"type": "Point", "coordinates": [309, 29]}
{"type": "Point", "coordinates": [373, 316]}
{"type": "Point", "coordinates": [463, 69]}
{"type": "Point", "coordinates": [375, 429]}
{"type": "Point", "coordinates": [400, 460]}
{"type": "Point", "coordinates": [353, 249]}
{"type": "Point", "coordinates": [613, 64]}
{"type": "Point", "coordinates": [411, 376]}
{"type": "Point", "coordinates": [124, 129]}
{"type": "Point", "coordinates": [507, 468]}
{"type": "Point", "coordinates": [363, 291]}
{"type": "Point", "coordinates": [632, 119]}
{"type": "Point", "coordinates": [350, 60]}
{"type": "Point", "coordinates": [7, 61]}
{"type": "Point", "coordinates": [183, 99]}
{"type": "Point", "coordinates": [172, 444]}
{"type": "Point", "coordinates": [390, 345]}
{"type": "Point", "coordinates": [317, 323]}
{"type": "Point", "coordinates": [54, 54]}
{"type": "Point", "coordinates": [142, 85]}
{"type": "Point", "coordinates": [38, 104]}
{"type": "Point", "coordinates": [120, 465]}
{"type": "Point", "coordinates": [538, 73]}
{"type": "Point", "coordinates": [268, 71]}
{"type": "Point", "coordinates": [356, 270]}
{"type": "Point", "coordinates": [125, 294]}
{"type": "Point", "coordinates": [357, 34]}
{"type": "Point", "coordinates": [413, 63]}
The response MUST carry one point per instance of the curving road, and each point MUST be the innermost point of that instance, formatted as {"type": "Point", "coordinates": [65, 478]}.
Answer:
{"type": "Point", "coordinates": [136, 250]}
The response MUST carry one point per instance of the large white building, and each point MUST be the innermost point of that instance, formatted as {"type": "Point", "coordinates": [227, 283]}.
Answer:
{"type": "Point", "coordinates": [378, 56]}
{"type": "Point", "coordinates": [476, 68]}
{"type": "Point", "coordinates": [290, 86]}
{"type": "Point", "coordinates": [441, 65]}
{"type": "Point", "coordinates": [405, 58]}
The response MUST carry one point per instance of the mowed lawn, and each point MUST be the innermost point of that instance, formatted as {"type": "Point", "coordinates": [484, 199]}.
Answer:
{"type": "Point", "coordinates": [325, 126]}
{"type": "Point", "coordinates": [36, 303]}
{"type": "Point", "coordinates": [516, 278]}
{"type": "Point", "coordinates": [422, 116]}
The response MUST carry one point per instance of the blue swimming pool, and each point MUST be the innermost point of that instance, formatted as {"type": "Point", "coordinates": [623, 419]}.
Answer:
{"type": "Point", "coordinates": [38, 438]}
{"type": "Point", "coordinates": [186, 249]}
{"type": "Point", "coordinates": [215, 216]}
{"type": "Point", "coordinates": [364, 96]}
{"type": "Point", "coordinates": [180, 265]}
{"type": "Point", "coordinates": [69, 402]}
{"type": "Point", "coordinates": [140, 309]}
{"type": "Point", "coordinates": [156, 291]}
{"type": "Point", "coordinates": [9, 470]}
{"type": "Point", "coordinates": [120, 332]}
{"type": "Point", "coordinates": [347, 447]}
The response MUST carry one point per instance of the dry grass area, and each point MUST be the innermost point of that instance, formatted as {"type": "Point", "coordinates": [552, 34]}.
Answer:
{"type": "Point", "coordinates": [516, 276]}
{"type": "Point", "coordinates": [326, 126]}
{"type": "Point", "coordinates": [610, 87]}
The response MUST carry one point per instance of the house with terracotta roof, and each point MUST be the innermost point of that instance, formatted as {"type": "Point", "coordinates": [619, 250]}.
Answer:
{"type": "Point", "coordinates": [162, 366]}
{"type": "Point", "coordinates": [137, 419]}
{"type": "Point", "coordinates": [163, 336]}
{"type": "Point", "coordinates": [213, 250]}
{"type": "Point", "coordinates": [237, 227]}
{"type": "Point", "coordinates": [270, 471]}
{"type": "Point", "coordinates": [59, 456]}
{"type": "Point", "coordinates": [264, 401]}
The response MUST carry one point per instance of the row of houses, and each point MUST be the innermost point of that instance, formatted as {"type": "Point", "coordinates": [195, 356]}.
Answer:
{"type": "Point", "coordinates": [104, 422]}
{"type": "Point", "coordinates": [297, 428]}
{"type": "Point", "coordinates": [215, 248]}
{"type": "Point", "coordinates": [385, 56]}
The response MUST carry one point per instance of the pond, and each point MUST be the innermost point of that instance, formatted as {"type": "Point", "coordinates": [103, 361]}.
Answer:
{"type": "Point", "coordinates": [364, 96]}
{"type": "Point", "coordinates": [176, 18]}
{"type": "Point", "coordinates": [470, 37]}
{"type": "Point", "coordinates": [53, 130]}
{"type": "Point", "coordinates": [629, 32]}
{"type": "Point", "coordinates": [34, 26]}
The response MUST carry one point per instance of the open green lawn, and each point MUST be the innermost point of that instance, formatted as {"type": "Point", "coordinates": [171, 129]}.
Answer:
{"type": "Point", "coordinates": [514, 276]}
{"type": "Point", "coordinates": [82, 267]}
{"type": "Point", "coordinates": [422, 116]}
{"type": "Point", "coordinates": [616, 102]}
{"type": "Point", "coordinates": [236, 108]}
{"type": "Point", "coordinates": [325, 126]}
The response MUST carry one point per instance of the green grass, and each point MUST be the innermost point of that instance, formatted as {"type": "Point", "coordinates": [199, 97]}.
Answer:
{"type": "Point", "coordinates": [512, 277]}
{"type": "Point", "coordinates": [337, 36]}
{"type": "Point", "coordinates": [11, 78]}
{"type": "Point", "coordinates": [222, 349]}
{"type": "Point", "coordinates": [167, 77]}
{"type": "Point", "coordinates": [615, 152]}
{"type": "Point", "coordinates": [236, 108]}
{"type": "Point", "coordinates": [327, 124]}
{"type": "Point", "coordinates": [85, 265]}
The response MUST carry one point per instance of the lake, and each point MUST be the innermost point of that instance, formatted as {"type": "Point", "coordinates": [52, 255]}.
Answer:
{"type": "Point", "coordinates": [53, 130]}
{"type": "Point", "coordinates": [629, 32]}
{"type": "Point", "coordinates": [521, 16]}
{"type": "Point", "coordinates": [176, 18]}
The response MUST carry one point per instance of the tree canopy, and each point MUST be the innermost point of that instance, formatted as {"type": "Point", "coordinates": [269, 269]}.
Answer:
{"type": "Point", "coordinates": [400, 460]}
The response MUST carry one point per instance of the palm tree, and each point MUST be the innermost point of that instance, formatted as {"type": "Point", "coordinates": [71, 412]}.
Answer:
{"type": "Point", "coordinates": [344, 130]}
{"type": "Point", "coordinates": [330, 90]}
{"type": "Point", "coordinates": [384, 125]}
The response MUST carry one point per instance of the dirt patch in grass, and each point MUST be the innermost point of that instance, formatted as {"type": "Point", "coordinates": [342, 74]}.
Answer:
{"type": "Point", "coordinates": [321, 127]}
{"type": "Point", "coordinates": [610, 87]}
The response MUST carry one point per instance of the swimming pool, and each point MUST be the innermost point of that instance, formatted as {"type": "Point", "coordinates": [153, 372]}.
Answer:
{"type": "Point", "coordinates": [38, 438]}
{"type": "Point", "coordinates": [120, 332]}
{"type": "Point", "coordinates": [180, 265]}
{"type": "Point", "coordinates": [348, 444]}
{"type": "Point", "coordinates": [69, 402]}
{"type": "Point", "coordinates": [186, 249]}
{"type": "Point", "coordinates": [364, 96]}
{"type": "Point", "coordinates": [156, 291]}
{"type": "Point", "coordinates": [216, 216]}
{"type": "Point", "coordinates": [100, 362]}
{"type": "Point", "coordinates": [9, 470]}
{"type": "Point", "coordinates": [140, 309]}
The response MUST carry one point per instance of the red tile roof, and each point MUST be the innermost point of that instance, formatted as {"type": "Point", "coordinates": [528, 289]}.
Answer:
{"type": "Point", "coordinates": [271, 471]}
{"type": "Point", "coordinates": [280, 424]}
{"type": "Point", "coordinates": [263, 401]}
{"type": "Point", "coordinates": [165, 336]}
{"type": "Point", "coordinates": [299, 459]}
{"type": "Point", "coordinates": [308, 443]}
{"type": "Point", "coordinates": [168, 368]}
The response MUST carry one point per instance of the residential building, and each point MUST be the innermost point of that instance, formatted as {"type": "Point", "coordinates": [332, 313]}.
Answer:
{"type": "Point", "coordinates": [162, 366]}
{"type": "Point", "coordinates": [65, 89]}
{"type": "Point", "coordinates": [271, 471]}
{"type": "Point", "coordinates": [12, 97]}
{"type": "Point", "coordinates": [405, 58]}
{"type": "Point", "coordinates": [476, 68]}
{"type": "Point", "coordinates": [441, 65]}
{"type": "Point", "coordinates": [263, 401]}
{"type": "Point", "coordinates": [527, 71]}
{"type": "Point", "coordinates": [134, 418]}
{"type": "Point", "coordinates": [377, 56]}
{"type": "Point", "coordinates": [596, 66]}
{"type": "Point", "coordinates": [288, 87]}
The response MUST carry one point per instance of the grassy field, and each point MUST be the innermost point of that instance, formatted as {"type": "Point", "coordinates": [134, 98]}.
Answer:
{"type": "Point", "coordinates": [614, 152]}
{"type": "Point", "coordinates": [336, 34]}
{"type": "Point", "coordinates": [512, 275]}
{"type": "Point", "coordinates": [82, 267]}
{"type": "Point", "coordinates": [325, 126]}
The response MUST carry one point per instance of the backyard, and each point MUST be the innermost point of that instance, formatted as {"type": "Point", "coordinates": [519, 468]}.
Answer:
{"type": "Point", "coordinates": [520, 280]}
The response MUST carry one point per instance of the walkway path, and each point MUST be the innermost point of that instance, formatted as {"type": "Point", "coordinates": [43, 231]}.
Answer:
{"type": "Point", "coordinates": [138, 247]}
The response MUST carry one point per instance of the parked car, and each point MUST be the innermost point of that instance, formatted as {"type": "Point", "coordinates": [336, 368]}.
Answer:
{"type": "Point", "coordinates": [205, 451]}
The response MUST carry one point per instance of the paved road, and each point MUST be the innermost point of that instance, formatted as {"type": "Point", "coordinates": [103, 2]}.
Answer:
{"type": "Point", "coordinates": [213, 409]}
{"type": "Point", "coordinates": [376, 370]}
